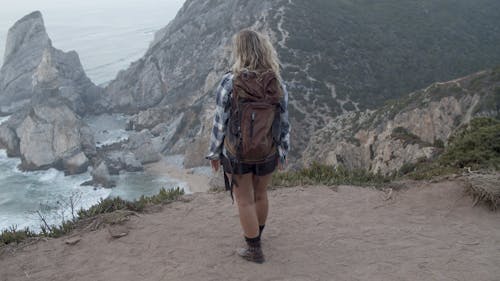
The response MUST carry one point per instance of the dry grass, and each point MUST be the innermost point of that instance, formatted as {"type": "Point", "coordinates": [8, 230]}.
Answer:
{"type": "Point", "coordinates": [484, 188]}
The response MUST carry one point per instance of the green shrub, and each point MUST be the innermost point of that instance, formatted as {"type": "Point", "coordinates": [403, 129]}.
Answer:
{"type": "Point", "coordinates": [407, 168]}
{"type": "Point", "coordinates": [477, 146]}
{"type": "Point", "coordinates": [14, 235]}
{"type": "Point", "coordinates": [318, 174]}
{"type": "Point", "coordinates": [427, 171]}
{"type": "Point", "coordinates": [438, 143]}
{"type": "Point", "coordinates": [400, 133]}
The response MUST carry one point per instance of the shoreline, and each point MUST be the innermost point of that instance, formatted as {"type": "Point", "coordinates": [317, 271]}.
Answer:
{"type": "Point", "coordinates": [195, 182]}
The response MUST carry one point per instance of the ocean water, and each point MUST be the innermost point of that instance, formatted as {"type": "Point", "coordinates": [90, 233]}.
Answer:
{"type": "Point", "coordinates": [4, 119]}
{"type": "Point", "coordinates": [25, 195]}
{"type": "Point", "coordinates": [107, 34]}
{"type": "Point", "coordinates": [108, 129]}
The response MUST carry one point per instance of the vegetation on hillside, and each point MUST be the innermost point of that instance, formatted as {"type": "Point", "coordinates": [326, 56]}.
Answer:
{"type": "Point", "coordinates": [383, 49]}
{"type": "Point", "coordinates": [105, 206]}
{"type": "Point", "coordinates": [475, 146]}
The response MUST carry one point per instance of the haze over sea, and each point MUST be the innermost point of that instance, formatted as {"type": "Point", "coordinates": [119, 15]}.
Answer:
{"type": "Point", "coordinates": [108, 35]}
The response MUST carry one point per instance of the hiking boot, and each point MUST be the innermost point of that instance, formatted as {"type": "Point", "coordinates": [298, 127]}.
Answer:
{"type": "Point", "coordinates": [253, 251]}
{"type": "Point", "coordinates": [253, 254]}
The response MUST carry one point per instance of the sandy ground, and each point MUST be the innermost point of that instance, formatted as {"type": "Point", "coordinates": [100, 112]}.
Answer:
{"type": "Point", "coordinates": [426, 232]}
{"type": "Point", "coordinates": [195, 182]}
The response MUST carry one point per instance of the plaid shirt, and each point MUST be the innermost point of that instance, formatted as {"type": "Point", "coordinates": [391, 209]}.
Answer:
{"type": "Point", "coordinates": [221, 117]}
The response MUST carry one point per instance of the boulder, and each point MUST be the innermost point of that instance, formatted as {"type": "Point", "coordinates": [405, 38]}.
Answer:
{"type": "Point", "coordinates": [101, 176]}
{"type": "Point", "coordinates": [142, 146]}
{"type": "Point", "coordinates": [52, 135]}
{"type": "Point", "coordinates": [76, 164]}
{"type": "Point", "coordinates": [117, 161]}
{"type": "Point", "coordinates": [9, 141]}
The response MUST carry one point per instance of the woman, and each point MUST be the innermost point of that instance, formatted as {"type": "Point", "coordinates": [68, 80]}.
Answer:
{"type": "Point", "coordinates": [252, 51]}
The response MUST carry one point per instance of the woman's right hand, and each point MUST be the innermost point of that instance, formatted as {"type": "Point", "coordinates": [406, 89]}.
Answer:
{"type": "Point", "coordinates": [282, 166]}
{"type": "Point", "coordinates": [215, 165]}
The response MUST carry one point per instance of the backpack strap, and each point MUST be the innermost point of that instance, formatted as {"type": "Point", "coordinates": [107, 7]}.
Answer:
{"type": "Point", "coordinates": [230, 183]}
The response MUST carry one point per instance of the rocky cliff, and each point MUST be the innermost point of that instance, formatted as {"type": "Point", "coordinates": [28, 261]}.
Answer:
{"type": "Point", "coordinates": [48, 91]}
{"type": "Point", "coordinates": [334, 53]}
{"type": "Point", "coordinates": [406, 130]}
{"type": "Point", "coordinates": [338, 57]}
{"type": "Point", "coordinates": [31, 64]}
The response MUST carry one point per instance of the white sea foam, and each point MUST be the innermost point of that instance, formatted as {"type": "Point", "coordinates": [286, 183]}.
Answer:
{"type": "Point", "coordinates": [4, 119]}
{"type": "Point", "coordinates": [49, 192]}
{"type": "Point", "coordinates": [108, 128]}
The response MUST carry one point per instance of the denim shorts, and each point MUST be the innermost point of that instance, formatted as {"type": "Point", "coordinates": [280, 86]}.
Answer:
{"type": "Point", "coordinates": [262, 169]}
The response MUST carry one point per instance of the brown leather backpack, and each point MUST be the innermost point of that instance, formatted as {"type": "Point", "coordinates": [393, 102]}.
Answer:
{"type": "Point", "coordinates": [252, 133]}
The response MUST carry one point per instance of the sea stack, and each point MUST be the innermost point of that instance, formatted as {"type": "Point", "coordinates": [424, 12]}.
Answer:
{"type": "Point", "coordinates": [30, 61]}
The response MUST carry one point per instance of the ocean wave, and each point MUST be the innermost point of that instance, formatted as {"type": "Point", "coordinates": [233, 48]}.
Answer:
{"type": "Point", "coordinates": [4, 119]}
{"type": "Point", "coordinates": [49, 175]}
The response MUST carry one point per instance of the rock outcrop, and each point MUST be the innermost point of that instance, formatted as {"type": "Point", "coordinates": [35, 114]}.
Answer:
{"type": "Point", "coordinates": [9, 141]}
{"type": "Point", "coordinates": [407, 130]}
{"type": "Point", "coordinates": [48, 91]}
{"type": "Point", "coordinates": [141, 145]}
{"type": "Point", "coordinates": [101, 177]}
{"type": "Point", "coordinates": [117, 161]}
{"type": "Point", "coordinates": [32, 64]}
{"type": "Point", "coordinates": [52, 135]}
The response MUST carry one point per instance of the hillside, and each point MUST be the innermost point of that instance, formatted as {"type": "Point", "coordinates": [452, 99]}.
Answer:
{"type": "Point", "coordinates": [425, 232]}
{"type": "Point", "coordinates": [406, 130]}
{"type": "Point", "coordinates": [337, 56]}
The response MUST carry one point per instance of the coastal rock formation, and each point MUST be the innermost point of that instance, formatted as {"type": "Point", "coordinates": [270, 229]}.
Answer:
{"type": "Point", "coordinates": [101, 176]}
{"type": "Point", "coordinates": [117, 161]}
{"type": "Point", "coordinates": [9, 141]}
{"type": "Point", "coordinates": [52, 135]}
{"type": "Point", "coordinates": [343, 60]}
{"type": "Point", "coordinates": [407, 130]}
{"type": "Point", "coordinates": [179, 72]}
{"type": "Point", "coordinates": [141, 145]}
{"type": "Point", "coordinates": [48, 91]}
{"type": "Point", "coordinates": [26, 42]}
{"type": "Point", "coordinates": [31, 64]}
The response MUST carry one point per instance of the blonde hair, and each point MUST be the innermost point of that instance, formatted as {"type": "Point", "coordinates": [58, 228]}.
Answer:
{"type": "Point", "coordinates": [254, 51]}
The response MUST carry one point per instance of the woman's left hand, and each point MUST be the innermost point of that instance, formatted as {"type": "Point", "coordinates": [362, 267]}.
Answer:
{"type": "Point", "coordinates": [215, 165]}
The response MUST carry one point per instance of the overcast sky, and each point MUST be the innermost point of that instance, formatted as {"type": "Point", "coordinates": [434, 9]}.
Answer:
{"type": "Point", "coordinates": [94, 28]}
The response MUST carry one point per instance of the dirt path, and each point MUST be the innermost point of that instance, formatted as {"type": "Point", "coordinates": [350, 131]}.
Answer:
{"type": "Point", "coordinates": [424, 233]}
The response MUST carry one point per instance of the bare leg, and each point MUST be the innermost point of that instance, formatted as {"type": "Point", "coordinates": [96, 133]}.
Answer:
{"type": "Point", "coordinates": [244, 195]}
{"type": "Point", "coordinates": [260, 184]}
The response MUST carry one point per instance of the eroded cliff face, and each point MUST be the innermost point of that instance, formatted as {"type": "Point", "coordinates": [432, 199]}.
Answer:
{"type": "Point", "coordinates": [188, 57]}
{"type": "Point", "coordinates": [407, 130]}
{"type": "Point", "coordinates": [180, 71]}
{"type": "Point", "coordinates": [335, 54]}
